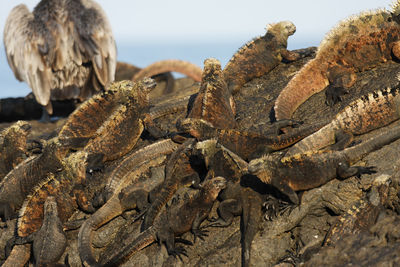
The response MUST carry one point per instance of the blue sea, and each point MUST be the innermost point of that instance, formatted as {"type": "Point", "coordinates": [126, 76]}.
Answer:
{"type": "Point", "coordinates": [140, 55]}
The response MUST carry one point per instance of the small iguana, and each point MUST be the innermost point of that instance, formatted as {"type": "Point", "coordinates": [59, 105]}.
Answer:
{"type": "Point", "coordinates": [214, 103]}
{"type": "Point", "coordinates": [313, 169]}
{"type": "Point", "coordinates": [236, 199]}
{"type": "Point", "coordinates": [247, 145]}
{"type": "Point", "coordinates": [50, 241]}
{"type": "Point", "coordinates": [365, 114]}
{"type": "Point", "coordinates": [363, 214]}
{"type": "Point", "coordinates": [356, 44]}
{"type": "Point", "coordinates": [260, 55]}
{"type": "Point", "coordinates": [173, 222]}
{"type": "Point", "coordinates": [179, 172]}
{"type": "Point", "coordinates": [13, 146]}
{"type": "Point", "coordinates": [123, 198]}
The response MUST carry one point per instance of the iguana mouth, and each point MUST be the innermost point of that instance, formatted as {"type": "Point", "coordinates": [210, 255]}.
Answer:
{"type": "Point", "coordinates": [149, 84]}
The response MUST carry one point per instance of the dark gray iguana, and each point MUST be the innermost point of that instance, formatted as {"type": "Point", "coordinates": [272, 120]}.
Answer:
{"type": "Point", "coordinates": [50, 241]}
{"type": "Point", "coordinates": [239, 197]}
{"type": "Point", "coordinates": [173, 222]}
{"type": "Point", "coordinates": [312, 169]}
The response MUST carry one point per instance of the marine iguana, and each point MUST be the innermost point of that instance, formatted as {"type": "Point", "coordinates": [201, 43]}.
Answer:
{"type": "Point", "coordinates": [260, 55]}
{"type": "Point", "coordinates": [121, 198]}
{"type": "Point", "coordinates": [356, 44]}
{"type": "Point", "coordinates": [179, 172]}
{"type": "Point", "coordinates": [237, 198]}
{"type": "Point", "coordinates": [13, 146]}
{"type": "Point", "coordinates": [214, 103]}
{"type": "Point", "coordinates": [247, 145]}
{"type": "Point", "coordinates": [315, 168]}
{"type": "Point", "coordinates": [367, 113]}
{"type": "Point", "coordinates": [363, 214]}
{"type": "Point", "coordinates": [63, 49]}
{"type": "Point", "coordinates": [19, 182]}
{"type": "Point", "coordinates": [50, 241]}
{"type": "Point", "coordinates": [118, 120]}
{"type": "Point", "coordinates": [174, 221]}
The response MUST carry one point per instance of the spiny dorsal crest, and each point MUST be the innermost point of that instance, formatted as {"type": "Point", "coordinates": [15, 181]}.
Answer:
{"type": "Point", "coordinates": [351, 26]}
{"type": "Point", "coordinates": [395, 6]}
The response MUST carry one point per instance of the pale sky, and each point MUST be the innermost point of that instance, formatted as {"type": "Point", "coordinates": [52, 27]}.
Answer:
{"type": "Point", "coordinates": [148, 30]}
{"type": "Point", "coordinates": [218, 20]}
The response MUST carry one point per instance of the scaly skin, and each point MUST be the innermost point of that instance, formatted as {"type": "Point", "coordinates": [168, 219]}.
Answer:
{"type": "Point", "coordinates": [313, 169]}
{"type": "Point", "coordinates": [363, 214]}
{"type": "Point", "coordinates": [19, 182]}
{"type": "Point", "coordinates": [117, 129]}
{"type": "Point", "coordinates": [178, 173]}
{"type": "Point", "coordinates": [120, 175]}
{"type": "Point", "coordinates": [124, 198]}
{"type": "Point", "coordinates": [247, 145]}
{"type": "Point", "coordinates": [50, 235]}
{"type": "Point", "coordinates": [260, 55]}
{"type": "Point", "coordinates": [13, 146]}
{"type": "Point", "coordinates": [186, 217]}
{"type": "Point", "coordinates": [214, 103]}
{"type": "Point", "coordinates": [60, 185]}
{"type": "Point", "coordinates": [171, 65]}
{"type": "Point", "coordinates": [235, 198]}
{"type": "Point", "coordinates": [367, 113]}
{"type": "Point", "coordinates": [354, 45]}
{"type": "Point", "coordinates": [92, 119]}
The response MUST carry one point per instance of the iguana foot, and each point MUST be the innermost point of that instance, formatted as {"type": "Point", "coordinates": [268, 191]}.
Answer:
{"type": "Point", "coordinates": [365, 170]}
{"type": "Point", "coordinates": [274, 207]}
{"type": "Point", "coordinates": [100, 198]}
{"type": "Point", "coordinates": [334, 94]}
{"type": "Point", "coordinates": [178, 252]}
{"type": "Point", "coordinates": [198, 233]}
{"type": "Point", "coordinates": [183, 241]}
{"type": "Point", "coordinates": [34, 146]}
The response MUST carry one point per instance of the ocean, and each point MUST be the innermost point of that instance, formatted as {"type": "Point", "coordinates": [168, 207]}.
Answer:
{"type": "Point", "coordinates": [140, 55]}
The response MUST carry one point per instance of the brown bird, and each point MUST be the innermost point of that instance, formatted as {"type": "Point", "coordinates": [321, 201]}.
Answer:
{"type": "Point", "coordinates": [64, 49]}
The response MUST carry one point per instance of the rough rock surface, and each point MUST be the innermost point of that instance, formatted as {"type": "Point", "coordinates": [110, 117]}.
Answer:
{"type": "Point", "coordinates": [301, 230]}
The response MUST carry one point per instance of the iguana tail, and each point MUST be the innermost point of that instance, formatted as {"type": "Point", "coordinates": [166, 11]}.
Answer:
{"type": "Point", "coordinates": [132, 245]}
{"type": "Point", "coordinates": [356, 152]}
{"type": "Point", "coordinates": [191, 70]}
{"type": "Point", "coordinates": [108, 211]}
{"type": "Point", "coordinates": [310, 80]}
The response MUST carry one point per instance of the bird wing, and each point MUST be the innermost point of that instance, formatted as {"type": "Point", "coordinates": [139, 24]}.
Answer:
{"type": "Point", "coordinates": [96, 40]}
{"type": "Point", "coordinates": [23, 49]}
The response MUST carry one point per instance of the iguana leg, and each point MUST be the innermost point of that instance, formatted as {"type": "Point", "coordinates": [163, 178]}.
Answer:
{"type": "Point", "coordinates": [227, 210]}
{"type": "Point", "coordinates": [196, 231]}
{"type": "Point", "coordinates": [287, 190]}
{"type": "Point", "coordinates": [340, 79]}
{"type": "Point", "coordinates": [289, 55]}
{"type": "Point", "coordinates": [345, 171]}
{"type": "Point", "coordinates": [278, 125]}
{"type": "Point", "coordinates": [343, 140]}
{"type": "Point", "coordinates": [396, 49]}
